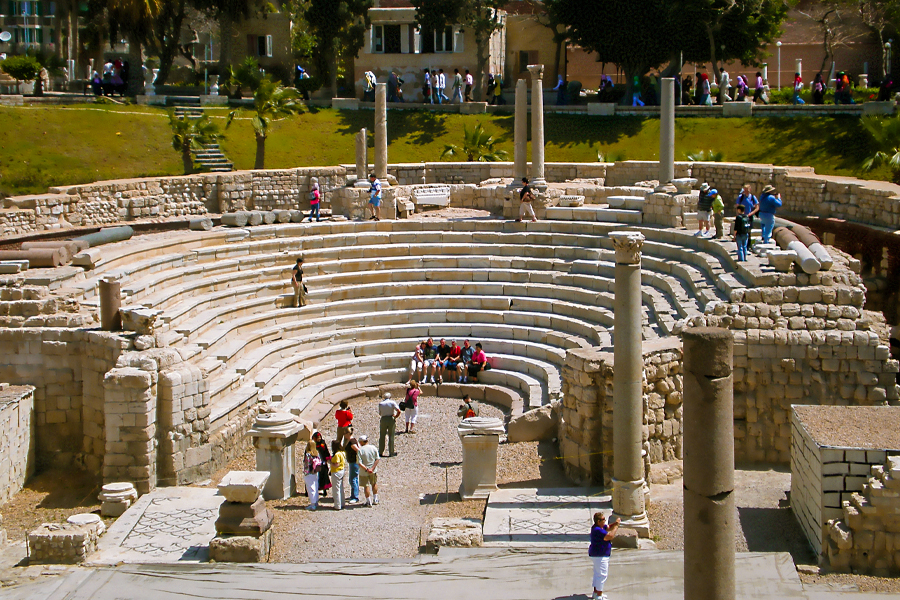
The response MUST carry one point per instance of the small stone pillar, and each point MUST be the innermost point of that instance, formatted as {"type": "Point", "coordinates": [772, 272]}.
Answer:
{"type": "Point", "coordinates": [244, 526]}
{"type": "Point", "coordinates": [362, 160]}
{"type": "Point", "coordinates": [213, 85]}
{"type": "Point", "coordinates": [480, 437]}
{"type": "Point", "coordinates": [520, 133]}
{"type": "Point", "coordinates": [115, 498]}
{"type": "Point", "coordinates": [274, 435]}
{"type": "Point", "coordinates": [709, 512]}
{"type": "Point", "coordinates": [628, 369]}
{"type": "Point", "coordinates": [667, 131]}
{"type": "Point", "coordinates": [537, 126]}
{"type": "Point", "coordinates": [110, 304]}
{"type": "Point", "coordinates": [381, 145]}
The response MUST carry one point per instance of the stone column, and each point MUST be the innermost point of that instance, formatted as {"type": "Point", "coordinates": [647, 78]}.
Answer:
{"type": "Point", "coordinates": [521, 132]}
{"type": "Point", "coordinates": [628, 368]}
{"type": "Point", "coordinates": [537, 126]}
{"type": "Point", "coordinates": [274, 435]}
{"type": "Point", "coordinates": [362, 159]}
{"type": "Point", "coordinates": [667, 131]}
{"type": "Point", "coordinates": [709, 513]}
{"type": "Point", "coordinates": [381, 145]}
{"type": "Point", "coordinates": [480, 437]}
{"type": "Point", "coordinates": [110, 305]}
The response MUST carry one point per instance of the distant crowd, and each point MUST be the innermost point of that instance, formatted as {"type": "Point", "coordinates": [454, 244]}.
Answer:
{"type": "Point", "coordinates": [436, 85]}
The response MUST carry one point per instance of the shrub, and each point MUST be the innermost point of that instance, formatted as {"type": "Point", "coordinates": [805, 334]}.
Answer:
{"type": "Point", "coordinates": [23, 68]}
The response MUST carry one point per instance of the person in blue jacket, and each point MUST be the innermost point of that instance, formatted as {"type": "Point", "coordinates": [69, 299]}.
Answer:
{"type": "Point", "coordinates": [600, 551]}
{"type": "Point", "coordinates": [769, 203]}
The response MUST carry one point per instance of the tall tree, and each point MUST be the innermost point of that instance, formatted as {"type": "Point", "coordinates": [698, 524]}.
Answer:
{"type": "Point", "coordinates": [484, 17]}
{"type": "Point", "coordinates": [338, 28]}
{"type": "Point", "coordinates": [228, 13]}
{"type": "Point", "coordinates": [164, 40]}
{"type": "Point", "coordinates": [133, 18]}
{"type": "Point", "coordinates": [545, 14]}
{"type": "Point", "coordinates": [878, 15]}
{"type": "Point", "coordinates": [271, 102]}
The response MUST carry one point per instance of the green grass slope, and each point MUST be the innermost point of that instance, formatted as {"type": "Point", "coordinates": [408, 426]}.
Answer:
{"type": "Point", "coordinates": [40, 147]}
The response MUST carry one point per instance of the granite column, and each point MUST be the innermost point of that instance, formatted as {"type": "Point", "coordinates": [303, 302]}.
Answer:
{"type": "Point", "coordinates": [381, 144]}
{"type": "Point", "coordinates": [537, 126]}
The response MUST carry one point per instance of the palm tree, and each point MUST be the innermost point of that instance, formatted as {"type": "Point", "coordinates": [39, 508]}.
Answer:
{"type": "Point", "coordinates": [271, 102]}
{"type": "Point", "coordinates": [478, 146]}
{"type": "Point", "coordinates": [886, 141]}
{"type": "Point", "coordinates": [190, 134]}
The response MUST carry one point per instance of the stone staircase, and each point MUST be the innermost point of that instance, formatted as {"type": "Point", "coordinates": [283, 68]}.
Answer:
{"type": "Point", "coordinates": [212, 159]}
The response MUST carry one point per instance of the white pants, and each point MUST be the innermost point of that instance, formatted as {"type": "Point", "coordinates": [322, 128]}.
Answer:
{"type": "Point", "coordinates": [312, 488]}
{"type": "Point", "coordinates": [337, 488]}
{"type": "Point", "coordinates": [411, 415]}
{"type": "Point", "coordinates": [525, 208]}
{"type": "Point", "coordinates": [414, 366]}
{"type": "Point", "coordinates": [601, 570]}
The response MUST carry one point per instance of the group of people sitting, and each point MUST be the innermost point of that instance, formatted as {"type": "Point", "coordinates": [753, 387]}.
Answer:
{"type": "Point", "coordinates": [433, 363]}
{"type": "Point", "coordinates": [113, 80]}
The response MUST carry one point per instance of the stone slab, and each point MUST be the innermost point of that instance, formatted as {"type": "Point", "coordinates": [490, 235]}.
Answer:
{"type": "Point", "coordinates": [541, 517]}
{"type": "Point", "coordinates": [243, 486]}
{"type": "Point", "coordinates": [168, 525]}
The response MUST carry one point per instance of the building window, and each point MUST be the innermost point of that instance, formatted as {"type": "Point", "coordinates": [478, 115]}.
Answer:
{"type": "Point", "coordinates": [378, 38]}
{"type": "Point", "coordinates": [25, 8]}
{"type": "Point", "coordinates": [527, 57]}
{"type": "Point", "coordinates": [392, 39]}
{"type": "Point", "coordinates": [443, 40]}
{"type": "Point", "coordinates": [259, 45]}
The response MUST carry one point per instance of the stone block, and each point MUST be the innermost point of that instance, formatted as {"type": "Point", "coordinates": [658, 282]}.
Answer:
{"type": "Point", "coordinates": [241, 549]}
{"type": "Point", "coordinates": [454, 533]}
{"type": "Point", "coordinates": [535, 425]}
{"type": "Point", "coordinates": [345, 103]}
{"type": "Point", "coordinates": [737, 109]}
{"type": "Point", "coordinates": [63, 543]}
{"type": "Point", "coordinates": [254, 525]}
{"type": "Point", "coordinates": [243, 486]}
{"type": "Point", "coordinates": [603, 109]}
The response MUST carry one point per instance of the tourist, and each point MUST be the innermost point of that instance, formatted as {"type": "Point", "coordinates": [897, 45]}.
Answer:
{"type": "Point", "coordinates": [435, 96]}
{"type": "Point", "coordinates": [742, 89]}
{"type": "Point", "coordinates": [457, 87]}
{"type": "Point", "coordinates": [298, 285]}
{"type": "Point", "coordinates": [443, 351]}
{"type": "Point", "coordinates": [769, 203]}
{"type": "Point", "coordinates": [299, 77]}
{"type": "Point", "coordinates": [392, 85]}
{"type": "Point", "coordinates": [652, 83]}
{"type": "Point", "coordinates": [560, 90]}
{"type": "Point", "coordinates": [741, 232]}
{"type": "Point", "coordinates": [526, 197]}
{"type": "Point", "coordinates": [344, 418]}
{"type": "Point", "coordinates": [427, 98]}
{"type": "Point", "coordinates": [368, 465]}
{"type": "Point", "coordinates": [498, 91]}
{"type": "Point", "coordinates": [758, 93]}
{"type": "Point", "coordinates": [718, 212]}
{"type": "Point", "coordinates": [324, 456]}
{"type": "Point", "coordinates": [686, 87]}
{"type": "Point", "coordinates": [468, 409]}
{"type": "Point", "coordinates": [411, 406]}
{"type": "Point", "coordinates": [885, 90]}
{"type": "Point", "coordinates": [452, 361]}
{"type": "Point", "coordinates": [441, 86]}
{"type": "Point", "coordinates": [388, 410]}
{"type": "Point", "coordinates": [600, 551]}
{"type": "Point", "coordinates": [337, 464]}
{"type": "Point", "coordinates": [96, 83]}
{"type": "Point", "coordinates": [369, 95]}
{"type": "Point", "coordinates": [724, 86]}
{"type": "Point", "coordinates": [751, 207]}
{"type": "Point", "coordinates": [479, 363]}
{"type": "Point", "coordinates": [375, 197]}
{"type": "Point", "coordinates": [705, 90]}
{"type": "Point", "coordinates": [314, 200]}
{"type": "Point", "coordinates": [636, 92]}
{"type": "Point", "coordinates": [465, 357]}
{"type": "Point", "coordinates": [417, 364]}
{"type": "Point", "coordinates": [351, 450]}
{"type": "Point", "coordinates": [470, 82]}
{"type": "Point", "coordinates": [312, 464]}
{"type": "Point", "coordinates": [704, 207]}
{"type": "Point", "coordinates": [432, 363]}
{"type": "Point", "coordinates": [818, 90]}
{"type": "Point", "coordinates": [798, 87]}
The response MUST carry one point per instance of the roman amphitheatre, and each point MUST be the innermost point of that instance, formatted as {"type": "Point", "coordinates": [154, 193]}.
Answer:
{"type": "Point", "coordinates": [150, 342]}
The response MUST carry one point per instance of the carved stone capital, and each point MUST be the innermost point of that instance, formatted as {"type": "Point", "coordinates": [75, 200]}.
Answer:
{"type": "Point", "coordinates": [628, 246]}
{"type": "Point", "coordinates": [537, 71]}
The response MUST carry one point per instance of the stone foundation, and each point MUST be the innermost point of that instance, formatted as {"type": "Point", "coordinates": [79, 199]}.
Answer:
{"type": "Point", "coordinates": [62, 543]}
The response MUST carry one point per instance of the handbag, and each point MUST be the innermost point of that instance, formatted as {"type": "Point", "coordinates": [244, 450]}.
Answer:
{"type": "Point", "coordinates": [402, 405]}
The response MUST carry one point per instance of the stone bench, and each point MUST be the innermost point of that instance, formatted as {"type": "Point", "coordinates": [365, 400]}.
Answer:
{"type": "Point", "coordinates": [593, 213]}
{"type": "Point", "coordinates": [431, 195]}
{"type": "Point", "coordinates": [626, 202]}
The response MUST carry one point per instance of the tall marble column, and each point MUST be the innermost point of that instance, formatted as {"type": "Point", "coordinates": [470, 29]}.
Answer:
{"type": "Point", "coordinates": [381, 145]}
{"type": "Point", "coordinates": [667, 131]}
{"type": "Point", "coordinates": [628, 365]}
{"type": "Point", "coordinates": [521, 132]}
{"type": "Point", "coordinates": [362, 159]}
{"type": "Point", "coordinates": [709, 515]}
{"type": "Point", "coordinates": [537, 126]}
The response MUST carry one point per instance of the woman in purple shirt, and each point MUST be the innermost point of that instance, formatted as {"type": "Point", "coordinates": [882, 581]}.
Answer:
{"type": "Point", "coordinates": [600, 550]}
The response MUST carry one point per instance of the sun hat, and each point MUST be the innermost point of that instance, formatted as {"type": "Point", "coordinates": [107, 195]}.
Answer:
{"type": "Point", "coordinates": [768, 189]}
{"type": "Point", "coordinates": [704, 187]}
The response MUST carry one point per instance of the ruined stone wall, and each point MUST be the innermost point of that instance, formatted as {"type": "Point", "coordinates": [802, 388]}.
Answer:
{"type": "Point", "coordinates": [585, 428]}
{"type": "Point", "coordinates": [16, 435]}
{"type": "Point", "coordinates": [25, 305]}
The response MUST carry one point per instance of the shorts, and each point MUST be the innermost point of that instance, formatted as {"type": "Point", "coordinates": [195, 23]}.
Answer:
{"type": "Point", "coordinates": [375, 201]}
{"type": "Point", "coordinates": [412, 414]}
{"type": "Point", "coordinates": [703, 215]}
{"type": "Point", "coordinates": [430, 361]}
{"type": "Point", "coordinates": [451, 364]}
{"type": "Point", "coordinates": [366, 478]}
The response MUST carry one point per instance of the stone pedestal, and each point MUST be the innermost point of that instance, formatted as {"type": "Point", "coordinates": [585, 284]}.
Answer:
{"type": "Point", "coordinates": [480, 437]}
{"type": "Point", "coordinates": [362, 160]}
{"type": "Point", "coordinates": [116, 498]}
{"type": "Point", "coordinates": [537, 126]}
{"type": "Point", "coordinates": [274, 435]}
{"type": "Point", "coordinates": [667, 131]}
{"type": "Point", "coordinates": [244, 526]}
{"type": "Point", "coordinates": [628, 370]}
{"type": "Point", "coordinates": [63, 543]}
{"type": "Point", "coordinates": [110, 304]}
{"type": "Point", "coordinates": [381, 145]}
{"type": "Point", "coordinates": [213, 85]}
{"type": "Point", "coordinates": [520, 133]}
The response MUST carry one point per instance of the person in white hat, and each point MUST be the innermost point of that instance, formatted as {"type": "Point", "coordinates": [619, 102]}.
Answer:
{"type": "Point", "coordinates": [389, 411]}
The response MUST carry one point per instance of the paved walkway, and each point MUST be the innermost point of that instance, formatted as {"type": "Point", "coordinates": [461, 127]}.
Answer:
{"type": "Point", "coordinates": [500, 574]}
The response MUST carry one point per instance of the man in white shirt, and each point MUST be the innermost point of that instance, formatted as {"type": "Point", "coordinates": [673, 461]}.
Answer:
{"type": "Point", "coordinates": [470, 81]}
{"type": "Point", "coordinates": [368, 468]}
{"type": "Point", "coordinates": [427, 92]}
{"type": "Point", "coordinates": [441, 85]}
{"type": "Point", "coordinates": [389, 410]}
{"type": "Point", "coordinates": [724, 84]}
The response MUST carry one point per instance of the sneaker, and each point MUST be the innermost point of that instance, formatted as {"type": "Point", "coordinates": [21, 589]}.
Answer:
{"type": "Point", "coordinates": [312, 507]}
{"type": "Point", "coordinates": [459, 380]}
{"type": "Point", "coordinates": [368, 503]}
{"type": "Point", "coordinates": [373, 218]}
{"type": "Point", "coordinates": [440, 380]}
{"type": "Point", "coordinates": [376, 501]}
{"type": "Point", "coordinates": [432, 379]}
{"type": "Point", "coordinates": [698, 234]}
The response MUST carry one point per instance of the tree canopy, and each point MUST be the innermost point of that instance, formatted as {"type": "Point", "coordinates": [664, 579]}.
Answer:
{"type": "Point", "coordinates": [338, 29]}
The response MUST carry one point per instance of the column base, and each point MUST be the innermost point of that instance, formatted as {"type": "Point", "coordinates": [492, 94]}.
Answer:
{"type": "Point", "coordinates": [629, 505]}
{"type": "Point", "coordinates": [539, 183]}
{"type": "Point", "coordinates": [639, 523]}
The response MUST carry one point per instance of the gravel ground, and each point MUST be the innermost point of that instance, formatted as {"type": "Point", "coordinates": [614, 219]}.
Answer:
{"type": "Point", "coordinates": [450, 214]}
{"type": "Point", "coordinates": [852, 426]}
{"type": "Point", "coordinates": [413, 489]}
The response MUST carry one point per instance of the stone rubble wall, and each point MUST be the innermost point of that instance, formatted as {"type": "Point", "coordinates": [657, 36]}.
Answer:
{"type": "Point", "coordinates": [27, 305]}
{"type": "Point", "coordinates": [17, 456]}
{"type": "Point", "coordinates": [586, 424]}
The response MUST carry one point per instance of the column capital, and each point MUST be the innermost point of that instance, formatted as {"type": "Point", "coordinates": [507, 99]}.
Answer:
{"type": "Point", "coordinates": [536, 71]}
{"type": "Point", "coordinates": [628, 245]}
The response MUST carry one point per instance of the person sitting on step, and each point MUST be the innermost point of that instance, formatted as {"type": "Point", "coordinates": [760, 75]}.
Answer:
{"type": "Point", "coordinates": [453, 358]}
{"type": "Point", "coordinates": [479, 363]}
{"type": "Point", "coordinates": [431, 361]}
{"type": "Point", "coordinates": [443, 351]}
{"type": "Point", "coordinates": [465, 357]}
{"type": "Point", "coordinates": [417, 365]}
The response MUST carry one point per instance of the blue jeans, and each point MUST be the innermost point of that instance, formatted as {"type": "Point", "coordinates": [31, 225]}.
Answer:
{"type": "Point", "coordinates": [314, 211]}
{"type": "Point", "coordinates": [767, 220]}
{"type": "Point", "coordinates": [742, 239]}
{"type": "Point", "coordinates": [354, 481]}
{"type": "Point", "coordinates": [798, 99]}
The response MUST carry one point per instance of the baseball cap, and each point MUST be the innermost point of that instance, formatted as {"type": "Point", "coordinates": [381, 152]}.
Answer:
{"type": "Point", "coordinates": [364, 438]}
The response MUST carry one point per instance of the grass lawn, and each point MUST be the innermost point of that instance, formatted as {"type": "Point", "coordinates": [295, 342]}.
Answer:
{"type": "Point", "coordinates": [40, 147]}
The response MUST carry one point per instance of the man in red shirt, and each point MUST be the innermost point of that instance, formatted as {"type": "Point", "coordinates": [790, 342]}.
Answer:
{"type": "Point", "coordinates": [344, 418]}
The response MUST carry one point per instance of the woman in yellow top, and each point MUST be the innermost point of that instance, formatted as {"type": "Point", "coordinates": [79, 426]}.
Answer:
{"type": "Point", "coordinates": [338, 464]}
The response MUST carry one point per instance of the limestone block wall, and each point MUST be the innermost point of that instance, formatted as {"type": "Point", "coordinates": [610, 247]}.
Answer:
{"type": "Point", "coordinates": [17, 458]}
{"type": "Point", "coordinates": [184, 421]}
{"type": "Point", "coordinates": [585, 429]}
{"type": "Point", "coordinates": [130, 424]}
{"type": "Point", "coordinates": [26, 305]}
